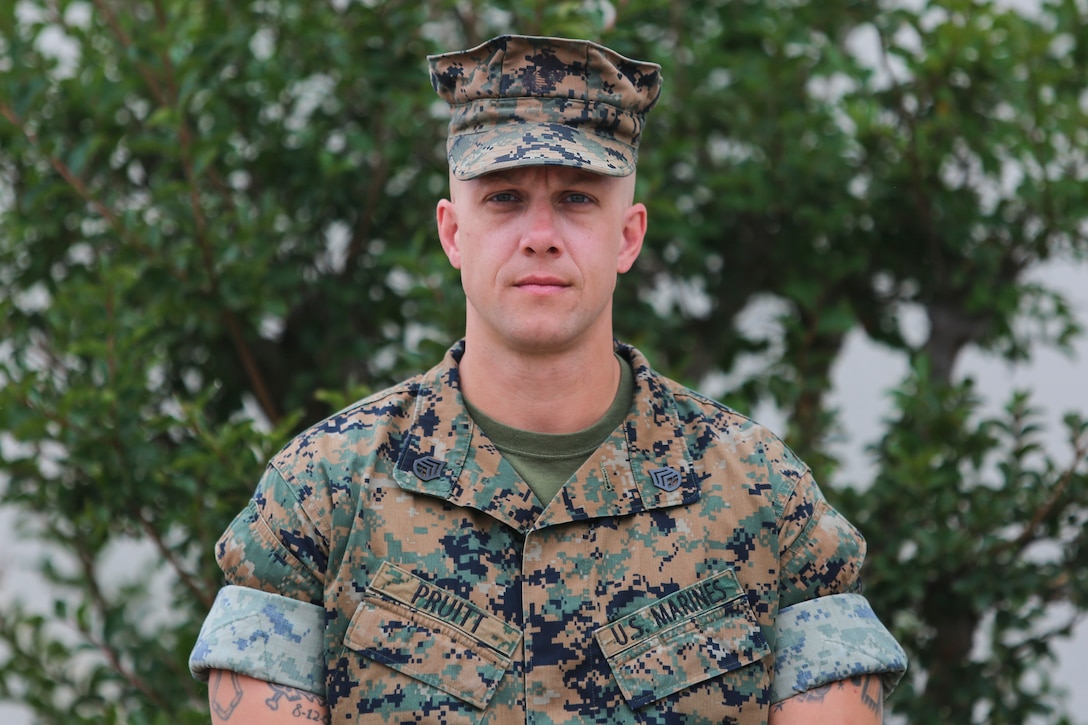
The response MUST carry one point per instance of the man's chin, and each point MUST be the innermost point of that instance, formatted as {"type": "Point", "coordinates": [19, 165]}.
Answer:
{"type": "Point", "coordinates": [547, 342]}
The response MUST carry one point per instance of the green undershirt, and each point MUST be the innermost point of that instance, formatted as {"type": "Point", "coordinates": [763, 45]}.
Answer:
{"type": "Point", "coordinates": [547, 460]}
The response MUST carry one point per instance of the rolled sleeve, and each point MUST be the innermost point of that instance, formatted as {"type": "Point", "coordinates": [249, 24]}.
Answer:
{"type": "Point", "coordinates": [265, 636]}
{"type": "Point", "coordinates": [823, 640]}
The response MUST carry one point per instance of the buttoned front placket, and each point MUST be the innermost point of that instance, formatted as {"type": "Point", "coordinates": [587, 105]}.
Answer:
{"type": "Point", "coordinates": [644, 465]}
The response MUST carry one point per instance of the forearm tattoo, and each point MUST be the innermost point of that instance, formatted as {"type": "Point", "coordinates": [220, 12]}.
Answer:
{"type": "Point", "coordinates": [227, 696]}
{"type": "Point", "coordinates": [301, 704]}
{"type": "Point", "coordinates": [871, 692]}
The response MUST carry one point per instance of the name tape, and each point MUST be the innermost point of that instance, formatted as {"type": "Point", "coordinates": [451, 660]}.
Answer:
{"type": "Point", "coordinates": [422, 596]}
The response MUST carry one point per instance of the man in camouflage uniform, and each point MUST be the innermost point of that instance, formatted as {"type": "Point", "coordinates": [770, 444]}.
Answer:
{"type": "Point", "coordinates": [541, 529]}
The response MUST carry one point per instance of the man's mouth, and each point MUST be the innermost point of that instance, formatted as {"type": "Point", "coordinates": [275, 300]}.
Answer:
{"type": "Point", "coordinates": [541, 282]}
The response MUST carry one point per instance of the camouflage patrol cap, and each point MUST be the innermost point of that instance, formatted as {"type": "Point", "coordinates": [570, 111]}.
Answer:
{"type": "Point", "coordinates": [527, 101]}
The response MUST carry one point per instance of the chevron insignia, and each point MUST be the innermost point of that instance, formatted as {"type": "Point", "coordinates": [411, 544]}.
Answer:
{"type": "Point", "coordinates": [667, 479]}
{"type": "Point", "coordinates": [428, 468]}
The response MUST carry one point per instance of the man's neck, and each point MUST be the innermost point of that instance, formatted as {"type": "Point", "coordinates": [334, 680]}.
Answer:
{"type": "Point", "coordinates": [562, 392]}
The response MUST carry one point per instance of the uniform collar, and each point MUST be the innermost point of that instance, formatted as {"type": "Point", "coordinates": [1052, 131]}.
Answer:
{"type": "Point", "coordinates": [644, 464]}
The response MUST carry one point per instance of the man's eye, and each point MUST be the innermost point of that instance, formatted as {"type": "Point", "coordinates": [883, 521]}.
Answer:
{"type": "Point", "coordinates": [504, 197]}
{"type": "Point", "coordinates": [578, 198]}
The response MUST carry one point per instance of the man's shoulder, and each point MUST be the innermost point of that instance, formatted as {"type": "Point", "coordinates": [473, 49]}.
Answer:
{"type": "Point", "coordinates": [375, 418]}
{"type": "Point", "coordinates": [382, 408]}
{"type": "Point", "coordinates": [689, 403]}
{"type": "Point", "coordinates": [711, 424]}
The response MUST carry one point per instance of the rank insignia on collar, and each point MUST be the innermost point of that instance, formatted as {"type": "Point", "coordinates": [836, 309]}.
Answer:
{"type": "Point", "coordinates": [428, 468]}
{"type": "Point", "coordinates": [667, 479]}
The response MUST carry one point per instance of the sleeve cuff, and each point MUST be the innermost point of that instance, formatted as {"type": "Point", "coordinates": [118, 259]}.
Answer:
{"type": "Point", "coordinates": [265, 636]}
{"type": "Point", "coordinates": [831, 638]}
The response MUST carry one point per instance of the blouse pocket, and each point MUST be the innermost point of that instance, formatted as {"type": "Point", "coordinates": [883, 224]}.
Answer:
{"type": "Point", "coordinates": [688, 637]}
{"type": "Point", "coordinates": [432, 635]}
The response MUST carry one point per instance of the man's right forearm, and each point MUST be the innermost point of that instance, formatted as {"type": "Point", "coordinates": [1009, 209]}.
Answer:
{"type": "Point", "coordinates": [240, 700]}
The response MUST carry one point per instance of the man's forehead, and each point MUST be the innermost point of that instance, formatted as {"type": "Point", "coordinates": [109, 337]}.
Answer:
{"type": "Point", "coordinates": [536, 174]}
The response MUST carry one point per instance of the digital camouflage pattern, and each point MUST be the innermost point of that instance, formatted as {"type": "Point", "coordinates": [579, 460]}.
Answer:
{"type": "Point", "coordinates": [263, 635]}
{"type": "Point", "coordinates": [647, 591]}
{"type": "Point", "coordinates": [829, 639]}
{"type": "Point", "coordinates": [518, 100]}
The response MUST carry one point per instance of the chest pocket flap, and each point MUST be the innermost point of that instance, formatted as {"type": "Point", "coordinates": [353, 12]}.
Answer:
{"type": "Point", "coordinates": [432, 635]}
{"type": "Point", "coordinates": [687, 637]}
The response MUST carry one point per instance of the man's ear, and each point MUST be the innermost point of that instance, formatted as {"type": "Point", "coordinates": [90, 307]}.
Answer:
{"type": "Point", "coordinates": [634, 231]}
{"type": "Point", "coordinates": [446, 215]}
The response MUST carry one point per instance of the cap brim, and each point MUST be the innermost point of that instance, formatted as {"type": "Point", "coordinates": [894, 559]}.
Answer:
{"type": "Point", "coordinates": [538, 144]}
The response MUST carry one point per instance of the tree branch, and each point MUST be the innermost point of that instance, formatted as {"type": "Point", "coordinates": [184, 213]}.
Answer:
{"type": "Point", "coordinates": [921, 203]}
{"type": "Point", "coordinates": [167, 95]}
{"type": "Point", "coordinates": [1050, 506]}
{"type": "Point", "coordinates": [94, 202]}
{"type": "Point", "coordinates": [203, 597]}
{"type": "Point", "coordinates": [87, 563]}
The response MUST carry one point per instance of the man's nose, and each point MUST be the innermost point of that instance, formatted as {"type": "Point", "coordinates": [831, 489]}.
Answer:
{"type": "Point", "coordinates": [541, 230]}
